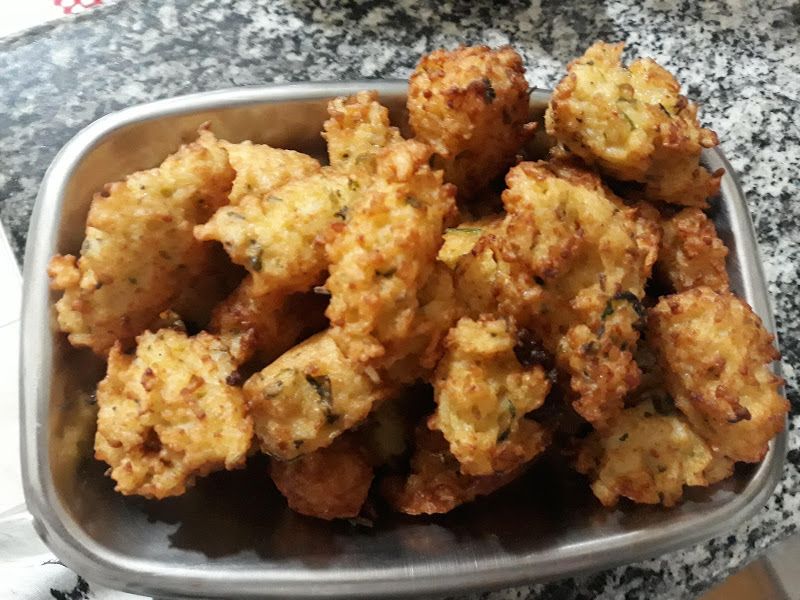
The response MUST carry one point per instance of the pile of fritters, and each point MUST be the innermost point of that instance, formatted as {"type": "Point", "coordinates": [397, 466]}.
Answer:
{"type": "Point", "coordinates": [398, 324]}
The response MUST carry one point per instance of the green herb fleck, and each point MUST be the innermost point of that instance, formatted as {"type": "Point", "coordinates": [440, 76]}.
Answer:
{"type": "Point", "coordinates": [341, 213]}
{"type": "Point", "coordinates": [464, 230]}
{"type": "Point", "coordinates": [623, 437]}
{"type": "Point", "coordinates": [664, 108]}
{"type": "Point", "coordinates": [386, 272]}
{"type": "Point", "coordinates": [232, 214]}
{"type": "Point", "coordinates": [628, 119]}
{"type": "Point", "coordinates": [322, 386]}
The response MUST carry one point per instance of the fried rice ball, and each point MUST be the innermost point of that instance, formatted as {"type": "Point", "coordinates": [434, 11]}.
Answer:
{"type": "Point", "coordinates": [308, 396]}
{"type": "Point", "coordinates": [471, 105]}
{"type": "Point", "coordinates": [168, 415]}
{"type": "Point", "coordinates": [385, 253]}
{"type": "Point", "coordinates": [358, 128]}
{"type": "Point", "coordinates": [634, 125]}
{"type": "Point", "coordinates": [436, 484]}
{"type": "Point", "coordinates": [139, 252]}
{"type": "Point", "coordinates": [645, 455]}
{"type": "Point", "coordinates": [588, 257]}
{"type": "Point", "coordinates": [483, 393]}
{"type": "Point", "coordinates": [716, 357]}
{"type": "Point", "coordinates": [329, 483]}
{"type": "Point", "coordinates": [277, 321]}
{"type": "Point", "coordinates": [261, 168]}
{"type": "Point", "coordinates": [691, 253]}
{"type": "Point", "coordinates": [277, 238]}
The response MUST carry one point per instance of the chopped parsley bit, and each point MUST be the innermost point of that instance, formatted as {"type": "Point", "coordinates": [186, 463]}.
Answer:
{"type": "Point", "coordinates": [488, 91]}
{"type": "Point", "coordinates": [341, 213]}
{"type": "Point", "coordinates": [464, 230]}
{"type": "Point", "coordinates": [272, 198]}
{"type": "Point", "coordinates": [386, 273]}
{"type": "Point", "coordinates": [235, 215]}
{"type": "Point", "coordinates": [353, 185]}
{"type": "Point", "coordinates": [623, 437]}
{"type": "Point", "coordinates": [512, 413]}
{"type": "Point", "coordinates": [628, 119]}
{"type": "Point", "coordinates": [322, 386]}
{"type": "Point", "coordinates": [626, 296]}
{"type": "Point", "coordinates": [666, 112]}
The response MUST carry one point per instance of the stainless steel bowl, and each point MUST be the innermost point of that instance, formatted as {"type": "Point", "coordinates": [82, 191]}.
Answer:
{"type": "Point", "coordinates": [232, 534]}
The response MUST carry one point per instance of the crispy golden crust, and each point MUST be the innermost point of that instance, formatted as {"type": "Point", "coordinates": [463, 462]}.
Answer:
{"type": "Point", "coordinates": [436, 484]}
{"type": "Point", "coordinates": [277, 321]}
{"type": "Point", "coordinates": [358, 128]}
{"type": "Point", "coordinates": [460, 240]}
{"type": "Point", "coordinates": [260, 168]}
{"type": "Point", "coordinates": [691, 254]}
{"type": "Point", "coordinates": [716, 356]}
{"type": "Point", "coordinates": [471, 105]}
{"type": "Point", "coordinates": [277, 238]}
{"type": "Point", "coordinates": [139, 252]}
{"type": "Point", "coordinates": [634, 125]}
{"type": "Point", "coordinates": [483, 394]}
{"type": "Point", "coordinates": [587, 257]}
{"type": "Point", "coordinates": [417, 353]}
{"type": "Point", "coordinates": [385, 253]}
{"type": "Point", "coordinates": [167, 414]}
{"type": "Point", "coordinates": [330, 483]}
{"type": "Point", "coordinates": [308, 396]}
{"type": "Point", "coordinates": [646, 456]}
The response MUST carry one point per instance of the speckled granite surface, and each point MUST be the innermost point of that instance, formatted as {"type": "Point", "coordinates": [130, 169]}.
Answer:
{"type": "Point", "coordinates": [740, 60]}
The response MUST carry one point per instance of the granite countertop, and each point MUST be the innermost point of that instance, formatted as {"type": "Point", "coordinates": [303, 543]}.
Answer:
{"type": "Point", "coordinates": [740, 61]}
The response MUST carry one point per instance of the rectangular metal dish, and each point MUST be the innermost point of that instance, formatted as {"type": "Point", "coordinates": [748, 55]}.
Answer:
{"type": "Point", "coordinates": [232, 535]}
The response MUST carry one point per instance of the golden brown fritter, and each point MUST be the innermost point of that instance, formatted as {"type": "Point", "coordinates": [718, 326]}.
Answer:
{"type": "Point", "coordinates": [139, 252]}
{"type": "Point", "coordinates": [261, 168]}
{"type": "Point", "coordinates": [277, 238]}
{"type": "Point", "coordinates": [587, 257]}
{"type": "Point", "coordinates": [716, 357]}
{"type": "Point", "coordinates": [634, 125]}
{"type": "Point", "coordinates": [436, 484]}
{"type": "Point", "coordinates": [358, 128]}
{"type": "Point", "coordinates": [329, 483]}
{"type": "Point", "coordinates": [415, 355]}
{"type": "Point", "coordinates": [167, 414]}
{"type": "Point", "coordinates": [308, 396]}
{"type": "Point", "coordinates": [277, 321]}
{"type": "Point", "coordinates": [691, 255]}
{"type": "Point", "coordinates": [483, 394]}
{"type": "Point", "coordinates": [646, 456]}
{"type": "Point", "coordinates": [384, 255]}
{"type": "Point", "coordinates": [471, 105]}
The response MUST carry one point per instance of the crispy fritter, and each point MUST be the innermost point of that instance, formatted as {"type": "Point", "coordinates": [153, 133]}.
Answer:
{"type": "Point", "coordinates": [329, 483]}
{"type": "Point", "coordinates": [646, 456]}
{"type": "Point", "coordinates": [385, 253]}
{"type": "Point", "coordinates": [587, 257]}
{"type": "Point", "coordinates": [634, 125]}
{"type": "Point", "coordinates": [278, 321]}
{"type": "Point", "coordinates": [416, 354]}
{"type": "Point", "coordinates": [691, 255]}
{"type": "Point", "coordinates": [460, 240]}
{"type": "Point", "coordinates": [277, 237]}
{"type": "Point", "coordinates": [716, 356]}
{"type": "Point", "coordinates": [471, 105]}
{"type": "Point", "coordinates": [167, 414]}
{"type": "Point", "coordinates": [358, 128]}
{"type": "Point", "coordinates": [436, 484]}
{"type": "Point", "coordinates": [261, 168]}
{"type": "Point", "coordinates": [139, 252]}
{"type": "Point", "coordinates": [308, 396]}
{"type": "Point", "coordinates": [483, 394]}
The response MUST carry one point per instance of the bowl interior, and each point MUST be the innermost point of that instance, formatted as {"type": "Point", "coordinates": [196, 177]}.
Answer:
{"type": "Point", "coordinates": [237, 525]}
